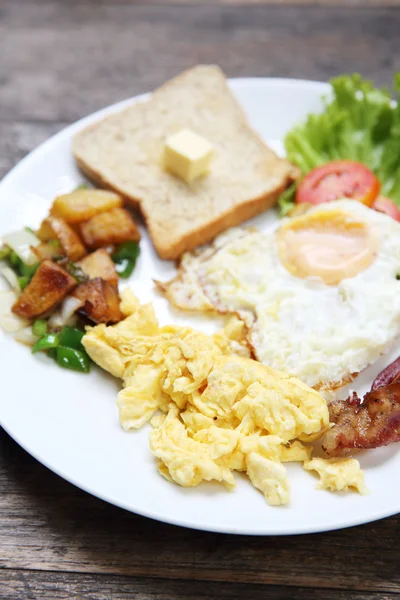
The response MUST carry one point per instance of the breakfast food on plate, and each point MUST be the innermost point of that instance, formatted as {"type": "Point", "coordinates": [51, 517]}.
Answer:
{"type": "Point", "coordinates": [358, 132]}
{"type": "Point", "coordinates": [338, 475]}
{"type": "Point", "coordinates": [99, 264]}
{"type": "Point", "coordinates": [371, 422]}
{"type": "Point", "coordinates": [188, 155]}
{"type": "Point", "coordinates": [318, 293]}
{"type": "Point", "coordinates": [387, 206]}
{"type": "Point", "coordinates": [126, 152]}
{"type": "Point", "coordinates": [336, 180]}
{"type": "Point", "coordinates": [48, 287]}
{"type": "Point", "coordinates": [311, 302]}
{"type": "Point", "coordinates": [84, 204]}
{"type": "Point", "coordinates": [362, 424]}
{"type": "Point", "coordinates": [220, 412]}
{"type": "Point", "coordinates": [339, 179]}
{"type": "Point", "coordinates": [65, 274]}
{"type": "Point", "coordinates": [113, 227]}
{"type": "Point", "coordinates": [389, 375]}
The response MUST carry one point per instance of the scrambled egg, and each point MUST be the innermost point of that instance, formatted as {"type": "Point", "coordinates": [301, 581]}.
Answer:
{"type": "Point", "coordinates": [338, 474]}
{"type": "Point", "coordinates": [213, 410]}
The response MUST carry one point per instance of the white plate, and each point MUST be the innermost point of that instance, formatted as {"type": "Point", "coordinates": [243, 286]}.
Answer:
{"type": "Point", "coordinates": [69, 421]}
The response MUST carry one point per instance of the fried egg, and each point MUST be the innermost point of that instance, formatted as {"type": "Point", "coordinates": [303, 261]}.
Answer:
{"type": "Point", "coordinates": [318, 293]}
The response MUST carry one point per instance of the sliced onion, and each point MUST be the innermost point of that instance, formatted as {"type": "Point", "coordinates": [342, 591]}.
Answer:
{"type": "Point", "coordinates": [25, 336]}
{"type": "Point", "coordinates": [55, 321]}
{"type": "Point", "coordinates": [65, 315]}
{"type": "Point", "coordinates": [8, 321]}
{"type": "Point", "coordinates": [11, 278]}
{"type": "Point", "coordinates": [21, 242]}
{"type": "Point", "coordinates": [69, 306]}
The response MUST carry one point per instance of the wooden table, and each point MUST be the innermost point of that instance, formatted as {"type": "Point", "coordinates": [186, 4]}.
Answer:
{"type": "Point", "coordinates": [60, 60]}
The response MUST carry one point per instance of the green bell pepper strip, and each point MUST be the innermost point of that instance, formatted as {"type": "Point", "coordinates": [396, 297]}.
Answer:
{"type": "Point", "coordinates": [51, 340]}
{"type": "Point", "coordinates": [39, 327]}
{"type": "Point", "coordinates": [71, 337]}
{"type": "Point", "coordinates": [125, 258]}
{"type": "Point", "coordinates": [125, 267]}
{"type": "Point", "coordinates": [28, 270]}
{"type": "Point", "coordinates": [127, 250]}
{"type": "Point", "coordinates": [23, 282]}
{"type": "Point", "coordinates": [24, 272]}
{"type": "Point", "coordinates": [73, 359]}
{"type": "Point", "coordinates": [13, 258]}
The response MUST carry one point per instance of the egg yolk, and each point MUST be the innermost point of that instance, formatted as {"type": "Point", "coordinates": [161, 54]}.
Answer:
{"type": "Point", "coordinates": [329, 245]}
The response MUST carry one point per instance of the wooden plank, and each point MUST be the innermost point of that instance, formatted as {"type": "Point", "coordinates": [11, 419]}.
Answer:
{"type": "Point", "coordinates": [358, 3]}
{"type": "Point", "coordinates": [47, 524]}
{"type": "Point", "coordinates": [27, 585]}
{"type": "Point", "coordinates": [61, 60]}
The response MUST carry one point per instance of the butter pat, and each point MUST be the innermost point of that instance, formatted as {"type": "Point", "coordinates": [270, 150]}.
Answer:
{"type": "Point", "coordinates": [187, 155]}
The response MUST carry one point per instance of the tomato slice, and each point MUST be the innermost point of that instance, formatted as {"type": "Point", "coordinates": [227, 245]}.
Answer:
{"type": "Point", "coordinates": [339, 179]}
{"type": "Point", "coordinates": [387, 206]}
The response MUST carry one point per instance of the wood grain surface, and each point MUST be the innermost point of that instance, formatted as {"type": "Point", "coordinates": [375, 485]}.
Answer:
{"type": "Point", "coordinates": [219, 3]}
{"type": "Point", "coordinates": [60, 586]}
{"type": "Point", "coordinates": [59, 61]}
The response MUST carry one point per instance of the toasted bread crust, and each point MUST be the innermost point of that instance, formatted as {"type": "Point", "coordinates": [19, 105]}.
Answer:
{"type": "Point", "coordinates": [238, 214]}
{"type": "Point", "coordinates": [223, 201]}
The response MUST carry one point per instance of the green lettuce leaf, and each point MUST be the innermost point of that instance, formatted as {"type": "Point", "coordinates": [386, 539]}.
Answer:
{"type": "Point", "coordinates": [359, 122]}
{"type": "Point", "coordinates": [286, 200]}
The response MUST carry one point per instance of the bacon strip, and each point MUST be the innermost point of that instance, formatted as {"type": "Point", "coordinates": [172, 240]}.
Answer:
{"type": "Point", "coordinates": [388, 375]}
{"type": "Point", "coordinates": [370, 423]}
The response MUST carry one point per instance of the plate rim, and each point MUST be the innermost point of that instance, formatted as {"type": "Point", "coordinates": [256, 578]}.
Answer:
{"type": "Point", "coordinates": [67, 132]}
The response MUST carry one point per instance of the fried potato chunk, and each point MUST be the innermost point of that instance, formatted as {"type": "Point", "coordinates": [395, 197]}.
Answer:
{"type": "Point", "coordinates": [48, 287]}
{"type": "Point", "coordinates": [113, 227]}
{"type": "Point", "coordinates": [101, 301]}
{"type": "Point", "coordinates": [82, 205]}
{"type": "Point", "coordinates": [99, 264]}
{"type": "Point", "coordinates": [55, 228]}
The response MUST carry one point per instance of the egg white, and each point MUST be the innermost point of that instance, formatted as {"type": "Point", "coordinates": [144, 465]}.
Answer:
{"type": "Point", "coordinates": [321, 333]}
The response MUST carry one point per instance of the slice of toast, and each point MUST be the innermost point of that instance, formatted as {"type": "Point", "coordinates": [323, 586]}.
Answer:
{"type": "Point", "coordinates": [124, 152]}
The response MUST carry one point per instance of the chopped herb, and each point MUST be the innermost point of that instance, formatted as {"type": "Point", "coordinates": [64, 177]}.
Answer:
{"type": "Point", "coordinates": [4, 252]}
{"type": "Point", "coordinates": [39, 327]}
{"type": "Point", "coordinates": [286, 200]}
{"type": "Point", "coordinates": [74, 270]}
{"type": "Point", "coordinates": [54, 244]}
